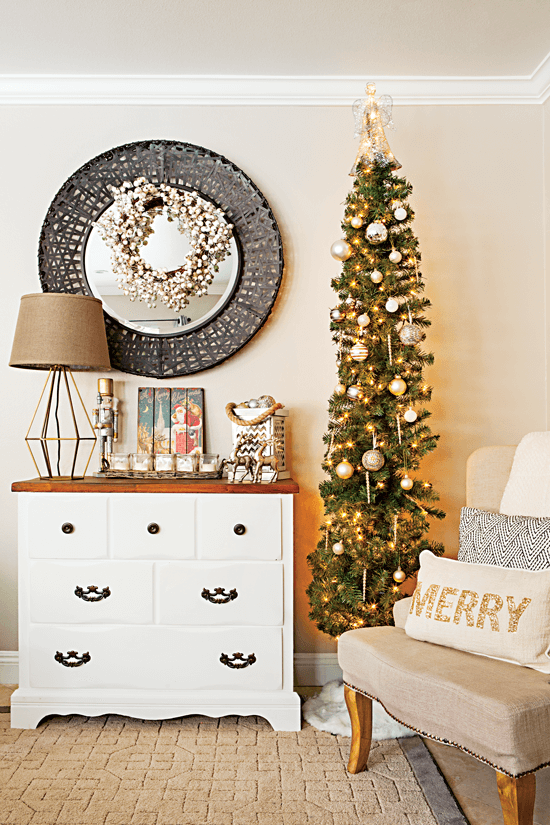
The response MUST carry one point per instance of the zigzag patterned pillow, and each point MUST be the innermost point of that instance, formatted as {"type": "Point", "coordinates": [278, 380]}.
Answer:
{"type": "Point", "coordinates": [506, 541]}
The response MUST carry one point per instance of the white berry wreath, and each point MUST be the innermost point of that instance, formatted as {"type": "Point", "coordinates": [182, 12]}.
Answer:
{"type": "Point", "coordinates": [126, 227]}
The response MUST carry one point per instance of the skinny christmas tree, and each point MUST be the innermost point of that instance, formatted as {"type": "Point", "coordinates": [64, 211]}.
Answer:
{"type": "Point", "coordinates": [376, 511]}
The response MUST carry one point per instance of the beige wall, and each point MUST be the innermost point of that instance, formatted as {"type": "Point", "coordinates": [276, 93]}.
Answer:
{"type": "Point", "coordinates": [478, 198]}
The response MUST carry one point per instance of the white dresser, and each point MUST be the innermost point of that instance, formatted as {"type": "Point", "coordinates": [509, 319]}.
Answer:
{"type": "Point", "coordinates": [155, 600]}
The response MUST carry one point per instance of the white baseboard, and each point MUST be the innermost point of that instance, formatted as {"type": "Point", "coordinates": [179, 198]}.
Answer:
{"type": "Point", "coordinates": [315, 668]}
{"type": "Point", "coordinates": [309, 668]}
{"type": "Point", "coordinates": [9, 667]}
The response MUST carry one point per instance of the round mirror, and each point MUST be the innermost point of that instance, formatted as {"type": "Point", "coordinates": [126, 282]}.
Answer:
{"type": "Point", "coordinates": [166, 249]}
{"type": "Point", "coordinates": [158, 342]}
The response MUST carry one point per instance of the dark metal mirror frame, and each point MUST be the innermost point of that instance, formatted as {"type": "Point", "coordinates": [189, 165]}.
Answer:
{"type": "Point", "coordinates": [85, 196]}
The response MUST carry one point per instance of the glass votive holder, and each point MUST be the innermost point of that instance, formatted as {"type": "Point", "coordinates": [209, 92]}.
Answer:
{"type": "Point", "coordinates": [187, 463]}
{"type": "Point", "coordinates": [141, 462]}
{"type": "Point", "coordinates": [119, 461]}
{"type": "Point", "coordinates": [165, 462]}
{"type": "Point", "coordinates": [208, 463]}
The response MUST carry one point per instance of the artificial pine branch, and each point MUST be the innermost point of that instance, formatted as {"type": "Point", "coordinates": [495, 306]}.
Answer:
{"type": "Point", "coordinates": [341, 595]}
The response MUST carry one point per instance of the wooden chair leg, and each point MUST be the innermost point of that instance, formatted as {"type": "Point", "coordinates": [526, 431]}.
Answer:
{"type": "Point", "coordinates": [517, 798]}
{"type": "Point", "coordinates": [360, 712]}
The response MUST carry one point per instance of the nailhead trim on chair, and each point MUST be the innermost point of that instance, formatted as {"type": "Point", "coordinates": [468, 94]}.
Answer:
{"type": "Point", "coordinates": [447, 741]}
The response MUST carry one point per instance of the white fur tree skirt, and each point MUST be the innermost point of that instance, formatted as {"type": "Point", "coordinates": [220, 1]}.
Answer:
{"type": "Point", "coordinates": [328, 712]}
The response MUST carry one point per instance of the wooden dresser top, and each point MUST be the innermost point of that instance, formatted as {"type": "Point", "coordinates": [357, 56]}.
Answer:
{"type": "Point", "coordinates": [139, 485]}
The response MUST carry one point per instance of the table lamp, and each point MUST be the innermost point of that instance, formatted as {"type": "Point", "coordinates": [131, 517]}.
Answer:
{"type": "Point", "coordinates": [60, 332]}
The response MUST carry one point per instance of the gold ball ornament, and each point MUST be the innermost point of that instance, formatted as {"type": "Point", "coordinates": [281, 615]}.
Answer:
{"type": "Point", "coordinates": [410, 335]}
{"type": "Point", "coordinates": [338, 548]}
{"type": "Point", "coordinates": [344, 469]}
{"type": "Point", "coordinates": [341, 250]}
{"type": "Point", "coordinates": [376, 233]}
{"type": "Point", "coordinates": [410, 415]}
{"type": "Point", "coordinates": [400, 213]}
{"type": "Point", "coordinates": [406, 482]}
{"type": "Point", "coordinates": [359, 351]}
{"type": "Point", "coordinates": [373, 460]}
{"type": "Point", "coordinates": [392, 305]}
{"type": "Point", "coordinates": [399, 576]}
{"type": "Point", "coordinates": [339, 389]}
{"type": "Point", "coordinates": [376, 276]}
{"type": "Point", "coordinates": [354, 392]}
{"type": "Point", "coordinates": [397, 386]}
{"type": "Point", "coordinates": [395, 256]}
{"type": "Point", "coordinates": [356, 222]}
{"type": "Point", "coordinates": [363, 320]}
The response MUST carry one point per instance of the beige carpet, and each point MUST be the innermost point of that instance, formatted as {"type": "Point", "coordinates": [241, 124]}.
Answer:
{"type": "Point", "coordinates": [113, 770]}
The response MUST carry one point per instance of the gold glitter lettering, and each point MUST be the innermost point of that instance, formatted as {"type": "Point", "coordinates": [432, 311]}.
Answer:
{"type": "Point", "coordinates": [428, 599]}
{"type": "Point", "coordinates": [491, 612]}
{"type": "Point", "coordinates": [467, 600]}
{"type": "Point", "coordinates": [515, 612]}
{"type": "Point", "coordinates": [443, 604]}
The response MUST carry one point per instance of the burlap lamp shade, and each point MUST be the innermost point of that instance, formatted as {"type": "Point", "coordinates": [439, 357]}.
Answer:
{"type": "Point", "coordinates": [56, 328]}
{"type": "Point", "coordinates": [60, 332]}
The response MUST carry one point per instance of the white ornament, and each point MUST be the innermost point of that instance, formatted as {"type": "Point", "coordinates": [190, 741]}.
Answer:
{"type": "Point", "coordinates": [339, 389]}
{"type": "Point", "coordinates": [338, 548]}
{"type": "Point", "coordinates": [356, 222]}
{"type": "Point", "coordinates": [359, 352]}
{"type": "Point", "coordinates": [392, 305]}
{"type": "Point", "coordinates": [395, 256]}
{"type": "Point", "coordinates": [376, 276]}
{"type": "Point", "coordinates": [341, 250]}
{"type": "Point", "coordinates": [363, 320]}
{"type": "Point", "coordinates": [400, 214]}
{"type": "Point", "coordinates": [410, 415]}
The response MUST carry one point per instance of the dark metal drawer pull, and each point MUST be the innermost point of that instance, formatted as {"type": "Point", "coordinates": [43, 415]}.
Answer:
{"type": "Point", "coordinates": [67, 528]}
{"type": "Point", "coordinates": [238, 660]}
{"type": "Point", "coordinates": [92, 594]}
{"type": "Point", "coordinates": [239, 529]}
{"type": "Point", "coordinates": [153, 528]}
{"type": "Point", "coordinates": [219, 596]}
{"type": "Point", "coordinates": [63, 659]}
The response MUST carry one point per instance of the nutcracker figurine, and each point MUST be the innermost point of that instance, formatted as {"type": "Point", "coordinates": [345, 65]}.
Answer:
{"type": "Point", "coordinates": [105, 420]}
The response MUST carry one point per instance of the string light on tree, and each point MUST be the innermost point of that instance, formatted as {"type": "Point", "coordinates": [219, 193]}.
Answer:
{"type": "Point", "coordinates": [375, 439]}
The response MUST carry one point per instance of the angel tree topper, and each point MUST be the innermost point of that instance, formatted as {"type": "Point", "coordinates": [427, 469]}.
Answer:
{"type": "Point", "coordinates": [371, 116]}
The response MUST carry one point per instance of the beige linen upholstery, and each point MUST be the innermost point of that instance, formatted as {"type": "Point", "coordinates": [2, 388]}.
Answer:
{"type": "Point", "coordinates": [401, 611]}
{"type": "Point", "coordinates": [493, 710]}
{"type": "Point", "coordinates": [487, 471]}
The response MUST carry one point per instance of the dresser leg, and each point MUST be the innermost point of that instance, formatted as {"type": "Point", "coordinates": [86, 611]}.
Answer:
{"type": "Point", "coordinates": [517, 798]}
{"type": "Point", "coordinates": [360, 712]}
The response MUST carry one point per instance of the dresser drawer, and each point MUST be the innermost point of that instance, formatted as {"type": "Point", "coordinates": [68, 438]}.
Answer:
{"type": "Point", "coordinates": [163, 658]}
{"type": "Point", "coordinates": [67, 526]}
{"type": "Point", "coordinates": [239, 527]}
{"type": "Point", "coordinates": [123, 595]}
{"type": "Point", "coordinates": [188, 593]}
{"type": "Point", "coordinates": [152, 526]}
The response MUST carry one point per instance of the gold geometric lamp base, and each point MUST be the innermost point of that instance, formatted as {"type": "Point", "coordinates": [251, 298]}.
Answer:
{"type": "Point", "coordinates": [61, 410]}
{"type": "Point", "coordinates": [60, 332]}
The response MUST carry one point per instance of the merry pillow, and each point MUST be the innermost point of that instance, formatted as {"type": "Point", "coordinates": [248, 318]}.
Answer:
{"type": "Point", "coordinates": [492, 611]}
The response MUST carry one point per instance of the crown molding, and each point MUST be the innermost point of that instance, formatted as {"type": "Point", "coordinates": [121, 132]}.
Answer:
{"type": "Point", "coordinates": [249, 90]}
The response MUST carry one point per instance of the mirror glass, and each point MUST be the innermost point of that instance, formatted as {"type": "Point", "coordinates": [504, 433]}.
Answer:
{"type": "Point", "coordinates": [166, 248]}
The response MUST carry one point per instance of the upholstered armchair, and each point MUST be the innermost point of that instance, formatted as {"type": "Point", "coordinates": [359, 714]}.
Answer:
{"type": "Point", "coordinates": [496, 711]}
